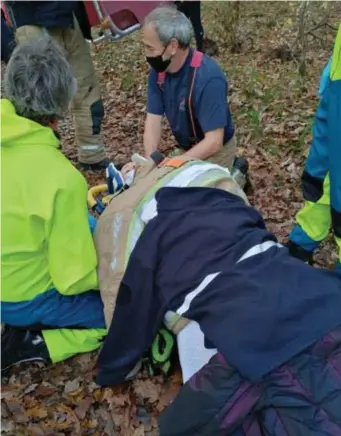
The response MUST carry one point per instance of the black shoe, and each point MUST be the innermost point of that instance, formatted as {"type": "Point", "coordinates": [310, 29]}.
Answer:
{"type": "Point", "coordinates": [240, 172]}
{"type": "Point", "coordinates": [99, 166]}
{"type": "Point", "coordinates": [299, 252]}
{"type": "Point", "coordinates": [241, 164]}
{"type": "Point", "coordinates": [19, 346]}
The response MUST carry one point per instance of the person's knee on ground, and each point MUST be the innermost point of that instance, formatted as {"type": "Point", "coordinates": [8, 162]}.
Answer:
{"type": "Point", "coordinates": [46, 346]}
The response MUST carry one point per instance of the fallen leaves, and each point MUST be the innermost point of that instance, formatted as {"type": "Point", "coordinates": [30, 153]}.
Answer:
{"type": "Point", "coordinates": [37, 412]}
{"type": "Point", "coordinates": [83, 407]}
{"type": "Point", "coordinates": [147, 389]}
{"type": "Point", "coordinates": [272, 110]}
{"type": "Point", "coordinates": [72, 386]}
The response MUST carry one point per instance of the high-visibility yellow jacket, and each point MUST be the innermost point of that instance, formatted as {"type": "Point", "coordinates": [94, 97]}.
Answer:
{"type": "Point", "coordinates": [45, 237]}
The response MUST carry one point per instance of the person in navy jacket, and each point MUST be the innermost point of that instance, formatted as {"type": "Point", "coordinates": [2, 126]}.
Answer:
{"type": "Point", "coordinates": [273, 321]}
{"type": "Point", "coordinates": [189, 88]}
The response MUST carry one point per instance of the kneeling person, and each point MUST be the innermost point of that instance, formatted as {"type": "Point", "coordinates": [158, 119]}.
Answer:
{"type": "Point", "coordinates": [49, 301]}
{"type": "Point", "coordinates": [189, 88]}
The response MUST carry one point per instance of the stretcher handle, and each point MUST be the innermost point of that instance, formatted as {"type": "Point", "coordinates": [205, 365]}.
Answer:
{"type": "Point", "coordinates": [111, 32]}
{"type": "Point", "coordinates": [93, 193]}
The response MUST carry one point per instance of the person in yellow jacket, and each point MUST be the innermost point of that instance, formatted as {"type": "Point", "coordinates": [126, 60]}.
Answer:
{"type": "Point", "coordinates": [321, 179]}
{"type": "Point", "coordinates": [50, 303]}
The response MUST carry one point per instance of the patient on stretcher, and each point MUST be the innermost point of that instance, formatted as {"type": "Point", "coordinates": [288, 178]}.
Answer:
{"type": "Point", "coordinates": [256, 329]}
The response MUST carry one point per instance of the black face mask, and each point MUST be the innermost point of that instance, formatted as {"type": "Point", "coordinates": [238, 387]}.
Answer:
{"type": "Point", "coordinates": [157, 63]}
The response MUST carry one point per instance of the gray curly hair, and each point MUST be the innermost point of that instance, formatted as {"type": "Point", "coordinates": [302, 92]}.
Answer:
{"type": "Point", "coordinates": [169, 23]}
{"type": "Point", "coordinates": [39, 80]}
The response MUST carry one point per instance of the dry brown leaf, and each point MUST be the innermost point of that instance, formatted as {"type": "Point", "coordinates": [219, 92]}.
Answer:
{"type": "Point", "coordinates": [72, 386]}
{"type": "Point", "coordinates": [147, 390]}
{"type": "Point", "coordinates": [44, 390]}
{"type": "Point", "coordinates": [37, 412]}
{"type": "Point", "coordinates": [36, 430]}
{"type": "Point", "coordinates": [83, 407]}
{"type": "Point", "coordinates": [30, 388]}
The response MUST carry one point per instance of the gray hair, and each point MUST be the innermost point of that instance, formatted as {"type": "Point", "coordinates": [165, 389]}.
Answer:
{"type": "Point", "coordinates": [39, 80]}
{"type": "Point", "coordinates": [169, 23]}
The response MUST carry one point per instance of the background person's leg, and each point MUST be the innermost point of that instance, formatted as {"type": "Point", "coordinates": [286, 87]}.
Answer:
{"type": "Point", "coordinates": [26, 33]}
{"type": "Point", "coordinates": [195, 17]}
{"type": "Point", "coordinates": [192, 10]}
{"type": "Point", "coordinates": [87, 106]}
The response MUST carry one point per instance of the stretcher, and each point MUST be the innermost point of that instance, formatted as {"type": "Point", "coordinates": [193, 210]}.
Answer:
{"type": "Point", "coordinates": [117, 19]}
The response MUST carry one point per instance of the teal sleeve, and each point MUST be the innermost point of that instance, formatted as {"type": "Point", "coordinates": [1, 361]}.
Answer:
{"type": "Point", "coordinates": [334, 136]}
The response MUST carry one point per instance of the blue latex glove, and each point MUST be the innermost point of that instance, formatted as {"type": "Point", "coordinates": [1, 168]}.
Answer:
{"type": "Point", "coordinates": [115, 180]}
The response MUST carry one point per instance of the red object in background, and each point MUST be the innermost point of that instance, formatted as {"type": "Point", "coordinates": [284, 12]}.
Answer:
{"type": "Point", "coordinates": [6, 14]}
{"type": "Point", "coordinates": [118, 18]}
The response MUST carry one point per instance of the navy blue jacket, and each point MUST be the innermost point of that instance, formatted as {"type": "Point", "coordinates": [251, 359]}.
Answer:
{"type": "Point", "coordinates": [210, 100]}
{"type": "Point", "coordinates": [50, 14]}
{"type": "Point", "coordinates": [258, 312]}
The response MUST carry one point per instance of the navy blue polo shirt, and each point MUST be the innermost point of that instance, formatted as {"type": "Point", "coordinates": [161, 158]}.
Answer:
{"type": "Point", "coordinates": [209, 99]}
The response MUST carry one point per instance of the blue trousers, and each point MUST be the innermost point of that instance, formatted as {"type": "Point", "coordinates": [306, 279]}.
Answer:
{"type": "Point", "coordinates": [54, 310]}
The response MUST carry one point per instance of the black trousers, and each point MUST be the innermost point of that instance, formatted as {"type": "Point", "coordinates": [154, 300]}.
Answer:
{"type": "Point", "coordinates": [192, 11]}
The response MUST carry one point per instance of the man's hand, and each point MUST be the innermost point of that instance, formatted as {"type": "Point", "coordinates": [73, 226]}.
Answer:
{"type": "Point", "coordinates": [210, 145]}
{"type": "Point", "coordinates": [152, 133]}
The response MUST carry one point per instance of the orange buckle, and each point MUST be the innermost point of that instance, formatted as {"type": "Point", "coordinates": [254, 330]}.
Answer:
{"type": "Point", "coordinates": [173, 162]}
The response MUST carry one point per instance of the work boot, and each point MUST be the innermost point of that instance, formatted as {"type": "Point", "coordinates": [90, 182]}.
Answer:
{"type": "Point", "coordinates": [19, 346]}
{"type": "Point", "coordinates": [99, 166]}
{"type": "Point", "coordinates": [299, 252]}
{"type": "Point", "coordinates": [240, 173]}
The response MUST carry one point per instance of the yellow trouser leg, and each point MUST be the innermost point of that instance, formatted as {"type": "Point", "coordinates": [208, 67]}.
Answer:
{"type": "Point", "coordinates": [65, 343]}
{"type": "Point", "coordinates": [87, 106]}
{"type": "Point", "coordinates": [315, 218]}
